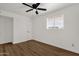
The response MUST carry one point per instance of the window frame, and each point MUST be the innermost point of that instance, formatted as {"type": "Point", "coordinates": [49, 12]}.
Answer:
{"type": "Point", "coordinates": [55, 20]}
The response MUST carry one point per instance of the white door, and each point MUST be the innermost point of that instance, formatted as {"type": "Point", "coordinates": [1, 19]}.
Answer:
{"type": "Point", "coordinates": [6, 29]}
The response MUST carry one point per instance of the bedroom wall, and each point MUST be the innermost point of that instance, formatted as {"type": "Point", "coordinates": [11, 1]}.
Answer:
{"type": "Point", "coordinates": [67, 38]}
{"type": "Point", "coordinates": [21, 26]}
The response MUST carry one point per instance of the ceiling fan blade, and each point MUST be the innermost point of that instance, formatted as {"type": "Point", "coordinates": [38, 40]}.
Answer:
{"type": "Point", "coordinates": [36, 12]}
{"type": "Point", "coordinates": [37, 4]}
{"type": "Point", "coordinates": [27, 5]}
{"type": "Point", "coordinates": [29, 10]}
{"type": "Point", "coordinates": [42, 9]}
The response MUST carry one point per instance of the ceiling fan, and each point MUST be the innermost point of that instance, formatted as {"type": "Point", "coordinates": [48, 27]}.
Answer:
{"type": "Point", "coordinates": [34, 6]}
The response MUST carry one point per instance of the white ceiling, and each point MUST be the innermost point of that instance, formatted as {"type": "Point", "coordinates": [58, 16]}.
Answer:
{"type": "Point", "coordinates": [20, 8]}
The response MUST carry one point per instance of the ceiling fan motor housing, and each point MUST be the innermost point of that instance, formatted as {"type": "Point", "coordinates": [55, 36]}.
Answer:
{"type": "Point", "coordinates": [34, 6]}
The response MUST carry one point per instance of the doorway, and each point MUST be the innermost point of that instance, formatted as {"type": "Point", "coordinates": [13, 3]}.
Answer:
{"type": "Point", "coordinates": [6, 29]}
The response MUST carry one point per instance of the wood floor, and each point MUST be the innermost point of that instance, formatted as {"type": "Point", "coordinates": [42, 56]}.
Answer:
{"type": "Point", "coordinates": [33, 48]}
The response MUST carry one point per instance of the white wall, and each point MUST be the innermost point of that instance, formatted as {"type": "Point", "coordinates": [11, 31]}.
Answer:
{"type": "Point", "coordinates": [22, 29]}
{"type": "Point", "coordinates": [21, 26]}
{"type": "Point", "coordinates": [60, 38]}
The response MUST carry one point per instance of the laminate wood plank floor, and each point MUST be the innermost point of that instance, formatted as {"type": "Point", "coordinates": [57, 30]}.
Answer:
{"type": "Point", "coordinates": [33, 48]}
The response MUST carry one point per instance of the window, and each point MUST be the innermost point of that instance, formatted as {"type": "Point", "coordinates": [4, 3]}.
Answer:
{"type": "Point", "coordinates": [55, 22]}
